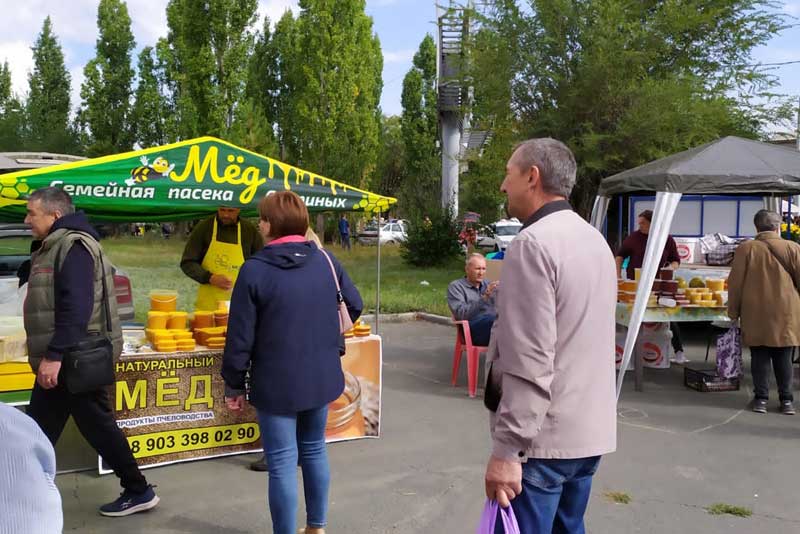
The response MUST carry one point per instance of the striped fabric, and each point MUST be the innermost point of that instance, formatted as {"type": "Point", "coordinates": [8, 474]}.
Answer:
{"type": "Point", "coordinates": [29, 499]}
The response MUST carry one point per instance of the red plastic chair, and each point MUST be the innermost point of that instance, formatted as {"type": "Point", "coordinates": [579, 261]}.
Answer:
{"type": "Point", "coordinates": [464, 343]}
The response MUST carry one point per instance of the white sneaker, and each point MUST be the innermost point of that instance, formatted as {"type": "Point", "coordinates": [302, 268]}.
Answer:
{"type": "Point", "coordinates": [680, 357]}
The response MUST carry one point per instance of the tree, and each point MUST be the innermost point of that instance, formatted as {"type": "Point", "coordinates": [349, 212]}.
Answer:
{"type": "Point", "coordinates": [206, 55]}
{"type": "Point", "coordinates": [150, 113]}
{"type": "Point", "coordinates": [391, 170]}
{"type": "Point", "coordinates": [106, 91]}
{"type": "Point", "coordinates": [12, 114]}
{"type": "Point", "coordinates": [622, 82]}
{"type": "Point", "coordinates": [336, 81]}
{"type": "Point", "coordinates": [48, 105]}
{"type": "Point", "coordinates": [419, 124]}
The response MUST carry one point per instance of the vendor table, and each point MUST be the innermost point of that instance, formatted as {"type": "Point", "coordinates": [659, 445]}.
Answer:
{"type": "Point", "coordinates": [171, 406]}
{"type": "Point", "coordinates": [667, 315]}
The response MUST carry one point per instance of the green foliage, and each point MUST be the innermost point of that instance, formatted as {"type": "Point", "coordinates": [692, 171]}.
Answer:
{"type": "Point", "coordinates": [419, 125]}
{"type": "Point", "coordinates": [336, 87]}
{"type": "Point", "coordinates": [432, 242]}
{"type": "Point", "coordinates": [729, 509]}
{"type": "Point", "coordinates": [622, 82]}
{"type": "Point", "coordinates": [151, 112]}
{"type": "Point", "coordinates": [252, 130]}
{"type": "Point", "coordinates": [106, 90]}
{"type": "Point", "coordinates": [391, 170]}
{"type": "Point", "coordinates": [206, 55]}
{"type": "Point", "coordinates": [48, 105]}
{"type": "Point", "coordinates": [12, 114]}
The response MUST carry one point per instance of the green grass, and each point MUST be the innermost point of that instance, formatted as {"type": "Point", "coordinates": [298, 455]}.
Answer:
{"type": "Point", "coordinates": [729, 509]}
{"type": "Point", "coordinates": [154, 263]}
{"type": "Point", "coordinates": [618, 497]}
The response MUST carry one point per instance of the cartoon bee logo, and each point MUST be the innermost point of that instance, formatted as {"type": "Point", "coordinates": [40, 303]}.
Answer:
{"type": "Point", "coordinates": [159, 169]}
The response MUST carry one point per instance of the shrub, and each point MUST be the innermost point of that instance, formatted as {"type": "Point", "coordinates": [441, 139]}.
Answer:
{"type": "Point", "coordinates": [432, 241]}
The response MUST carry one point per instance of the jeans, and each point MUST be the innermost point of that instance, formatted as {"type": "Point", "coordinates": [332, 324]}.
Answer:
{"type": "Point", "coordinates": [346, 241]}
{"type": "Point", "coordinates": [480, 328]}
{"type": "Point", "coordinates": [285, 437]}
{"type": "Point", "coordinates": [554, 496]}
{"type": "Point", "coordinates": [51, 408]}
{"type": "Point", "coordinates": [781, 359]}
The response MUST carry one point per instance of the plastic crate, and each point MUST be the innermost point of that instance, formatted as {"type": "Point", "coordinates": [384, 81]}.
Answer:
{"type": "Point", "coordinates": [706, 380]}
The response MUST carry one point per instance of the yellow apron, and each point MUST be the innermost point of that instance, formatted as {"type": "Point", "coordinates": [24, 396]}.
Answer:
{"type": "Point", "coordinates": [221, 258]}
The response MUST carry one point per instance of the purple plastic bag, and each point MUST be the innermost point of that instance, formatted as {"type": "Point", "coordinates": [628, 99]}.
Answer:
{"type": "Point", "coordinates": [729, 354]}
{"type": "Point", "coordinates": [489, 519]}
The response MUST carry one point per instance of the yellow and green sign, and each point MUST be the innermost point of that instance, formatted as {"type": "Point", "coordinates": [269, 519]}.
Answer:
{"type": "Point", "coordinates": [185, 180]}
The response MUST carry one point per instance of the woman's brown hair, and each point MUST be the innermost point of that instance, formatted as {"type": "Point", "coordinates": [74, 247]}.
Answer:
{"type": "Point", "coordinates": [286, 214]}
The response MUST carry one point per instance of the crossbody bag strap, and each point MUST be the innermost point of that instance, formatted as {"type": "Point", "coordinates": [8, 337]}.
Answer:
{"type": "Point", "coordinates": [339, 296]}
{"type": "Point", "coordinates": [783, 264]}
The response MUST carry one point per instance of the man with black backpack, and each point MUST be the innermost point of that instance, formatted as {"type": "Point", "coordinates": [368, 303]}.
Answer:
{"type": "Point", "coordinates": [68, 312]}
{"type": "Point", "coordinates": [762, 294]}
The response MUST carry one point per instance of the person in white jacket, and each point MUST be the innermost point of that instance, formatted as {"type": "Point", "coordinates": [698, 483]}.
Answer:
{"type": "Point", "coordinates": [29, 498]}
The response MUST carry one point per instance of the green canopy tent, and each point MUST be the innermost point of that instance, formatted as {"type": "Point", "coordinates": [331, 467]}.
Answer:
{"type": "Point", "coordinates": [184, 180]}
{"type": "Point", "coordinates": [181, 181]}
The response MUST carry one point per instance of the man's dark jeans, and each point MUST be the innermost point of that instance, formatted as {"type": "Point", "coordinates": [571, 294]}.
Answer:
{"type": "Point", "coordinates": [781, 360]}
{"type": "Point", "coordinates": [554, 496]}
{"type": "Point", "coordinates": [92, 413]}
{"type": "Point", "coordinates": [480, 328]}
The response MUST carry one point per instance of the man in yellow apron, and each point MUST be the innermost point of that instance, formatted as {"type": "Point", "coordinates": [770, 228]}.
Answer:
{"type": "Point", "coordinates": [214, 253]}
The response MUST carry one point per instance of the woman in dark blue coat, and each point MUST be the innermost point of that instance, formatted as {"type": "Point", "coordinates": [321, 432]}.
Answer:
{"type": "Point", "coordinates": [284, 329]}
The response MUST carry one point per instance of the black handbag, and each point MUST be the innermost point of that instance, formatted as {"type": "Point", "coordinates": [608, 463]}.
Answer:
{"type": "Point", "coordinates": [89, 365]}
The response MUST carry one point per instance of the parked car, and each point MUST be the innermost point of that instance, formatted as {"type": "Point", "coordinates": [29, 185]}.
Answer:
{"type": "Point", "coordinates": [392, 232]}
{"type": "Point", "coordinates": [15, 249]}
{"type": "Point", "coordinates": [497, 236]}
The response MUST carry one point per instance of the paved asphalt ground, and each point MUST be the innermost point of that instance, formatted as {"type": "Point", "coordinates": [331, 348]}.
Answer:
{"type": "Point", "coordinates": [679, 451]}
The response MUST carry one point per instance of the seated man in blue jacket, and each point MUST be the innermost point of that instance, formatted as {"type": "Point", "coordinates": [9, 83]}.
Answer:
{"type": "Point", "coordinates": [472, 299]}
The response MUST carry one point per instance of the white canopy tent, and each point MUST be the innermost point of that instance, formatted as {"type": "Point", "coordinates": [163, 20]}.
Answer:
{"type": "Point", "coordinates": [730, 165]}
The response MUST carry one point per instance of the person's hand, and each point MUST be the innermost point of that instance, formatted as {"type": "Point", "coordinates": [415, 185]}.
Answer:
{"type": "Point", "coordinates": [47, 377]}
{"type": "Point", "coordinates": [503, 481]}
{"type": "Point", "coordinates": [221, 281]}
{"type": "Point", "coordinates": [235, 404]}
{"type": "Point", "coordinates": [490, 289]}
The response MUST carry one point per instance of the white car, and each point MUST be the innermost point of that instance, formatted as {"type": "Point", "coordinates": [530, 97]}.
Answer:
{"type": "Point", "coordinates": [497, 237]}
{"type": "Point", "coordinates": [391, 233]}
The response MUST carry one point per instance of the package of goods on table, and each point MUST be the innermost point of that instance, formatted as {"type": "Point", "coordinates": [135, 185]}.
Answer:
{"type": "Point", "coordinates": [359, 330]}
{"type": "Point", "coordinates": [669, 291]}
{"type": "Point", "coordinates": [170, 330]}
{"type": "Point", "coordinates": [15, 373]}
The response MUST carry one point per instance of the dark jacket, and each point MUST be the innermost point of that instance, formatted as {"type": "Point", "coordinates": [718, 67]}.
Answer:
{"type": "Point", "coordinates": [284, 328]}
{"type": "Point", "coordinates": [74, 288]}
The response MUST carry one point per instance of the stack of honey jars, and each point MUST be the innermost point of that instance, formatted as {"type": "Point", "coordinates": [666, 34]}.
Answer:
{"type": "Point", "coordinates": [166, 326]}
{"type": "Point", "coordinates": [210, 327]}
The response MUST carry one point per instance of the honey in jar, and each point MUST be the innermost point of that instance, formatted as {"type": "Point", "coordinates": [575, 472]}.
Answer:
{"type": "Point", "coordinates": [163, 300]}
{"type": "Point", "coordinates": [177, 320]}
{"type": "Point", "coordinates": [157, 320]}
{"type": "Point", "coordinates": [345, 419]}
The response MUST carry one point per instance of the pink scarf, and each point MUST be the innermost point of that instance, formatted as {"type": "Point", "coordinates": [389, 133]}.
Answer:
{"type": "Point", "coordinates": [287, 239]}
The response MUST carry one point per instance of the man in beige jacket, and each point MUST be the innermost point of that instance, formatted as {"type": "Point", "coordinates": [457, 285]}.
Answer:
{"type": "Point", "coordinates": [762, 293]}
{"type": "Point", "coordinates": [551, 386]}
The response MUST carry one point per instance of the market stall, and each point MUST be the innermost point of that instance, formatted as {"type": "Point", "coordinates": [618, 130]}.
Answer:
{"type": "Point", "coordinates": [168, 396]}
{"type": "Point", "coordinates": [731, 166]}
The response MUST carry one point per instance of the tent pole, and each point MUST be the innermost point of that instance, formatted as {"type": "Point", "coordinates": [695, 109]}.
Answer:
{"type": "Point", "coordinates": [378, 290]}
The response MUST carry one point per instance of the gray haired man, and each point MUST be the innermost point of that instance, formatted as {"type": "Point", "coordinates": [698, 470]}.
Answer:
{"type": "Point", "coordinates": [762, 294]}
{"type": "Point", "coordinates": [472, 298]}
{"type": "Point", "coordinates": [551, 386]}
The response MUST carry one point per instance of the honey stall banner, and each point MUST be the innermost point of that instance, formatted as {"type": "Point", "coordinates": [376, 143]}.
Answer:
{"type": "Point", "coordinates": [181, 181]}
{"type": "Point", "coordinates": [171, 407]}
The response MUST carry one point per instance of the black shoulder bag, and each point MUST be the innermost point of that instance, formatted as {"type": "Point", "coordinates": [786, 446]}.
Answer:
{"type": "Point", "coordinates": [89, 365]}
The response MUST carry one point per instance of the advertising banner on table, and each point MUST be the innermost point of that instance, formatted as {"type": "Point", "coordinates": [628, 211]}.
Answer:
{"type": "Point", "coordinates": [171, 407]}
{"type": "Point", "coordinates": [185, 180]}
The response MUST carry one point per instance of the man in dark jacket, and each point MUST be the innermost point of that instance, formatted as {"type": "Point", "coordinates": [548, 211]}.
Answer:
{"type": "Point", "coordinates": [65, 301]}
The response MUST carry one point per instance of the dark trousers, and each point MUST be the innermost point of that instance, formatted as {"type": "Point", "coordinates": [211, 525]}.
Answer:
{"type": "Point", "coordinates": [346, 241]}
{"type": "Point", "coordinates": [781, 360]}
{"type": "Point", "coordinates": [480, 328]}
{"type": "Point", "coordinates": [555, 494]}
{"type": "Point", "coordinates": [677, 342]}
{"type": "Point", "coordinates": [51, 408]}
